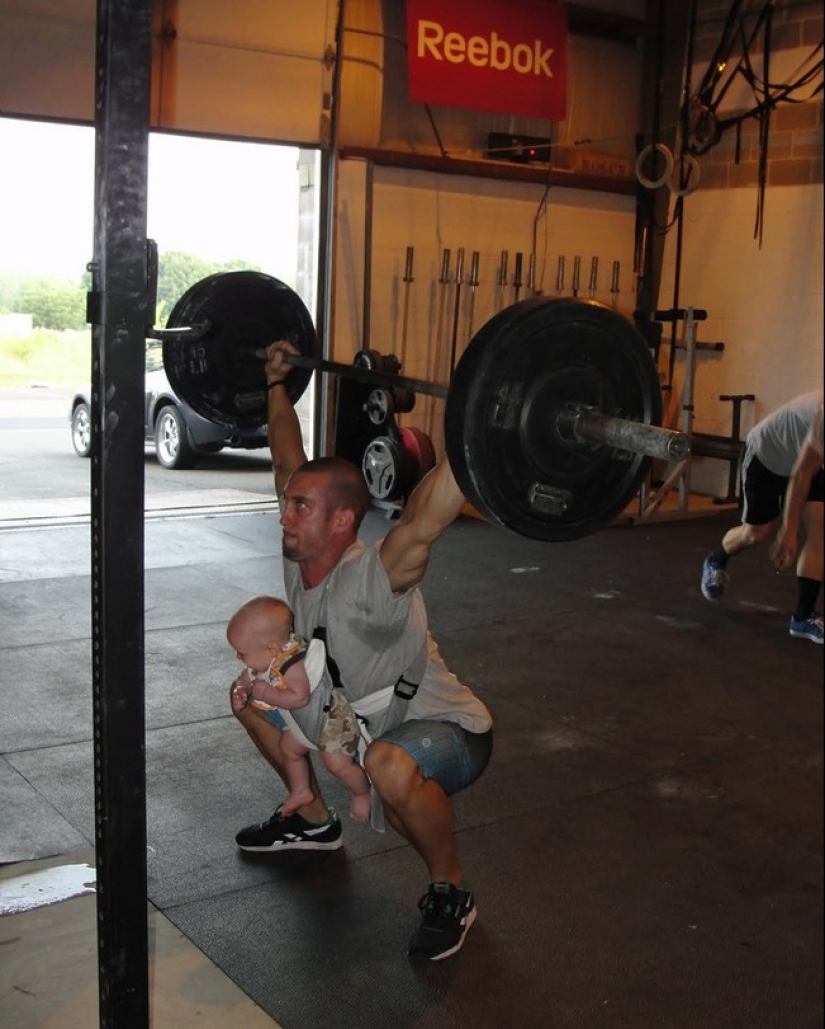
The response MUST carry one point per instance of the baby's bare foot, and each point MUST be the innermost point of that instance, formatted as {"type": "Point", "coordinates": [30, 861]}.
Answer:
{"type": "Point", "coordinates": [360, 808]}
{"type": "Point", "coordinates": [296, 799]}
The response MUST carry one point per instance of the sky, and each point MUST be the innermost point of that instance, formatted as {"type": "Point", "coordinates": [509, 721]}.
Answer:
{"type": "Point", "coordinates": [219, 200]}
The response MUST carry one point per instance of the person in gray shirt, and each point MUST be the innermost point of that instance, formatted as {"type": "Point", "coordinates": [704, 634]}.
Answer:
{"type": "Point", "coordinates": [427, 735]}
{"type": "Point", "coordinates": [782, 487]}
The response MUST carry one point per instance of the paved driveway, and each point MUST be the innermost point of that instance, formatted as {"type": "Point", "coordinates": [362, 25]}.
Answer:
{"type": "Point", "coordinates": [44, 480]}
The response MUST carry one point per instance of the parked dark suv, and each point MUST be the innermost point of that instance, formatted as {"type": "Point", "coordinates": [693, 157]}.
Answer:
{"type": "Point", "coordinates": [178, 434]}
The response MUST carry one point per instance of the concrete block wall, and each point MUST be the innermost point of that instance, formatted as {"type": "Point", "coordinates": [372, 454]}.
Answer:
{"type": "Point", "coordinates": [795, 153]}
{"type": "Point", "coordinates": [794, 23]}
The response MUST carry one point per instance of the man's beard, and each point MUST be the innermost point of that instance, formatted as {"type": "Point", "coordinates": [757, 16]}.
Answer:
{"type": "Point", "coordinates": [290, 553]}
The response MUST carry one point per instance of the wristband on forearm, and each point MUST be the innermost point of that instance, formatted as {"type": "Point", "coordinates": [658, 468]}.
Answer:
{"type": "Point", "coordinates": [277, 382]}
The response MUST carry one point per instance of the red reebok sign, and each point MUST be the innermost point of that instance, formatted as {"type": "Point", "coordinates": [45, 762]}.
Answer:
{"type": "Point", "coordinates": [489, 55]}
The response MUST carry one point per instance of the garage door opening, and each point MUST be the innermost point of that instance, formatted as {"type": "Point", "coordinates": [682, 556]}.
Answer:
{"type": "Point", "coordinates": [213, 205]}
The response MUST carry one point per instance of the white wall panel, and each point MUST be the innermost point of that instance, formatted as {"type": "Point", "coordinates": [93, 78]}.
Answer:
{"type": "Point", "coordinates": [225, 92]}
{"type": "Point", "coordinates": [47, 58]}
{"type": "Point", "coordinates": [362, 74]}
{"type": "Point", "coordinates": [430, 212]}
{"type": "Point", "coordinates": [763, 304]}
{"type": "Point", "coordinates": [250, 69]}
{"type": "Point", "coordinates": [276, 26]}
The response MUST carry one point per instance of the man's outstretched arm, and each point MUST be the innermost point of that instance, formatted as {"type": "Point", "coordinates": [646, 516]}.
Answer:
{"type": "Point", "coordinates": [784, 548]}
{"type": "Point", "coordinates": [433, 505]}
{"type": "Point", "coordinates": [286, 443]}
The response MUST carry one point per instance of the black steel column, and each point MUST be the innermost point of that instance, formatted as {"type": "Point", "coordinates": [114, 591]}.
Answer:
{"type": "Point", "coordinates": [662, 89]}
{"type": "Point", "coordinates": [120, 309]}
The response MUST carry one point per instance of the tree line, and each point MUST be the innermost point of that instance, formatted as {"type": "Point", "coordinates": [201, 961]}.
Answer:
{"type": "Point", "coordinates": [61, 304]}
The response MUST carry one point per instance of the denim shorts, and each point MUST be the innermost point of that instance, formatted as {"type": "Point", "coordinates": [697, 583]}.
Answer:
{"type": "Point", "coordinates": [443, 751]}
{"type": "Point", "coordinates": [275, 716]}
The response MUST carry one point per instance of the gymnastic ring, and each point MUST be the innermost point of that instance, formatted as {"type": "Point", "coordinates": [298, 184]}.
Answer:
{"type": "Point", "coordinates": [674, 180]}
{"type": "Point", "coordinates": [640, 160]}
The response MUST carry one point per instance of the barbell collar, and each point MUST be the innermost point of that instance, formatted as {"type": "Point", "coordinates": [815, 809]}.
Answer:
{"type": "Point", "coordinates": [590, 426]}
{"type": "Point", "coordinates": [181, 333]}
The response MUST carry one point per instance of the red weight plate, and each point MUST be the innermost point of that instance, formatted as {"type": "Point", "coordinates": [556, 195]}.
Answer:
{"type": "Point", "coordinates": [420, 448]}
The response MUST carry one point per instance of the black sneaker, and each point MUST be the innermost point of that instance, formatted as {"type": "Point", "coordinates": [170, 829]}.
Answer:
{"type": "Point", "coordinates": [447, 914]}
{"type": "Point", "coordinates": [292, 833]}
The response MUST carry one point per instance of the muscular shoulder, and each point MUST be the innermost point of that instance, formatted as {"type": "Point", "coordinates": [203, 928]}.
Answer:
{"type": "Point", "coordinates": [360, 572]}
{"type": "Point", "coordinates": [361, 595]}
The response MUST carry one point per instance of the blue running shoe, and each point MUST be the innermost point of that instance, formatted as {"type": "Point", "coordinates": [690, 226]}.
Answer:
{"type": "Point", "coordinates": [714, 579]}
{"type": "Point", "coordinates": [807, 629]}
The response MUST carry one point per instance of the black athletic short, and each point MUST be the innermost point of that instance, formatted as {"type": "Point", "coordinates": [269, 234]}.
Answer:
{"type": "Point", "coordinates": [763, 491]}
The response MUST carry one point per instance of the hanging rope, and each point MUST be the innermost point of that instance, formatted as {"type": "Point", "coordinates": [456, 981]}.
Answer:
{"type": "Point", "coordinates": [699, 127]}
{"type": "Point", "coordinates": [702, 127]}
{"type": "Point", "coordinates": [764, 130]}
{"type": "Point", "coordinates": [724, 49]}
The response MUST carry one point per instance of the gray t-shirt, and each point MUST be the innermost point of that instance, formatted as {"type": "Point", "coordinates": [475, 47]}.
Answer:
{"type": "Point", "coordinates": [778, 438]}
{"type": "Point", "coordinates": [376, 636]}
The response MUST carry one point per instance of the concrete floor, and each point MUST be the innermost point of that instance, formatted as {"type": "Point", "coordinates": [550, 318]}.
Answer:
{"type": "Point", "coordinates": [645, 847]}
{"type": "Point", "coordinates": [49, 971]}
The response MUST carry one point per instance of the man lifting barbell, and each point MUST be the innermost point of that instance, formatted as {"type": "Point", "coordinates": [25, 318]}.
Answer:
{"type": "Point", "coordinates": [430, 736]}
{"type": "Point", "coordinates": [551, 420]}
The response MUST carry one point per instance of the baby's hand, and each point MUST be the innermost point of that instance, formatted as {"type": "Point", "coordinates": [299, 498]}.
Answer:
{"type": "Point", "coordinates": [239, 692]}
{"type": "Point", "coordinates": [260, 694]}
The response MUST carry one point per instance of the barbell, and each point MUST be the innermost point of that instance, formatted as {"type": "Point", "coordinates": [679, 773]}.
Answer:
{"type": "Point", "coordinates": [551, 419]}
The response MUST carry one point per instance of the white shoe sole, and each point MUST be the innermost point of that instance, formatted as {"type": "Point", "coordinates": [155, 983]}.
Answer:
{"type": "Point", "coordinates": [468, 921]}
{"type": "Point", "coordinates": [805, 636]}
{"type": "Point", "coordinates": [295, 845]}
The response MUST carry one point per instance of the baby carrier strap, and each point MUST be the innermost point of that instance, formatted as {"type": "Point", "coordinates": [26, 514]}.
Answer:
{"type": "Point", "coordinates": [320, 633]}
{"type": "Point", "coordinates": [405, 687]}
{"type": "Point", "coordinates": [294, 650]}
{"type": "Point", "coordinates": [409, 681]}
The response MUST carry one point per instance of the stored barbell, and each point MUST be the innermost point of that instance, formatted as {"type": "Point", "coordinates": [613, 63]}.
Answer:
{"type": "Point", "coordinates": [551, 419]}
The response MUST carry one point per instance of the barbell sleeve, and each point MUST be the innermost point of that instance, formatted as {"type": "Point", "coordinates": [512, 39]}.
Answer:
{"type": "Point", "coordinates": [585, 425]}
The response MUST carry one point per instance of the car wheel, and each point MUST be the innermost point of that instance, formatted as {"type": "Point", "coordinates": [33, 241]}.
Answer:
{"type": "Point", "coordinates": [171, 441]}
{"type": "Point", "coordinates": [82, 430]}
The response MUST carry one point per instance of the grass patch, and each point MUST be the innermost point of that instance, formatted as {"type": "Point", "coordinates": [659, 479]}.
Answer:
{"type": "Point", "coordinates": [46, 358]}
